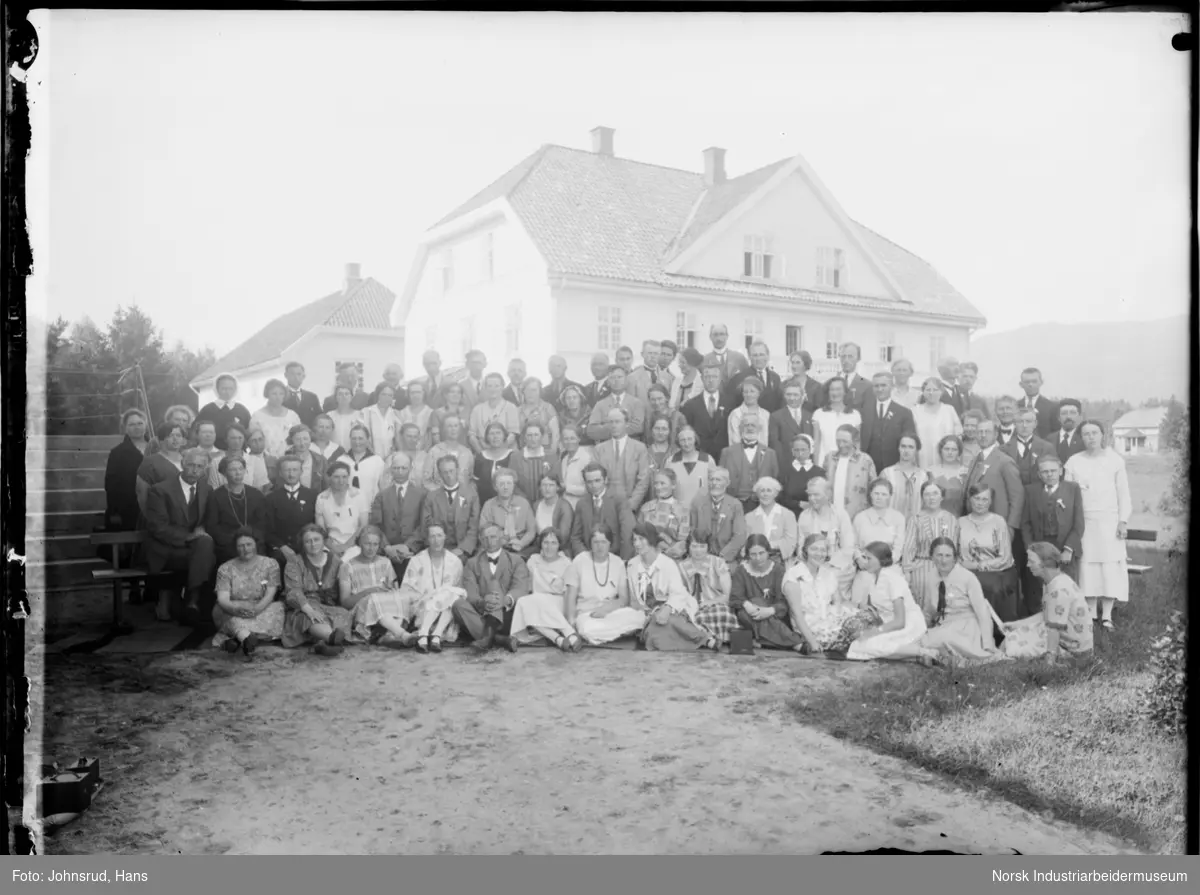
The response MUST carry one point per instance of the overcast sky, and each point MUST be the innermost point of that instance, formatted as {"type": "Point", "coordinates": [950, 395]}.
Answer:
{"type": "Point", "coordinates": [221, 168]}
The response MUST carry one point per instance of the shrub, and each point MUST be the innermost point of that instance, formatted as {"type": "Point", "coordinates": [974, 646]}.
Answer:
{"type": "Point", "coordinates": [1166, 699]}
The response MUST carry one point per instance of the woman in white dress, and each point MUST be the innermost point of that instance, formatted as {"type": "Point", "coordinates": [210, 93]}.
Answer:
{"type": "Point", "coordinates": [540, 613]}
{"type": "Point", "coordinates": [656, 585]}
{"type": "Point", "coordinates": [274, 419]}
{"type": "Point", "coordinates": [690, 466]}
{"type": "Point", "coordinates": [382, 422]}
{"type": "Point", "coordinates": [818, 611]}
{"type": "Point", "coordinates": [343, 415]}
{"type": "Point", "coordinates": [574, 459]}
{"type": "Point", "coordinates": [878, 522]}
{"type": "Point", "coordinates": [598, 593]}
{"type": "Point", "coordinates": [773, 520]}
{"type": "Point", "coordinates": [341, 510]}
{"type": "Point", "coordinates": [751, 389]}
{"type": "Point", "coordinates": [902, 392]}
{"type": "Point", "coordinates": [934, 421]}
{"type": "Point", "coordinates": [1100, 474]}
{"type": "Point", "coordinates": [834, 414]}
{"type": "Point", "coordinates": [824, 519]}
{"type": "Point", "coordinates": [903, 622]}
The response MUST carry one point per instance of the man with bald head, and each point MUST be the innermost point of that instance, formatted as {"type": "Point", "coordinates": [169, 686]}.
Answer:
{"type": "Point", "coordinates": [730, 360]}
{"type": "Point", "coordinates": [948, 369]}
{"type": "Point", "coordinates": [558, 380]}
{"type": "Point", "coordinates": [597, 389]}
{"type": "Point", "coordinates": [348, 376]}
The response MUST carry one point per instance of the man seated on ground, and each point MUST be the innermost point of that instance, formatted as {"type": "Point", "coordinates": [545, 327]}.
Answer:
{"type": "Point", "coordinates": [176, 540]}
{"type": "Point", "coordinates": [494, 581]}
{"type": "Point", "coordinates": [289, 508]}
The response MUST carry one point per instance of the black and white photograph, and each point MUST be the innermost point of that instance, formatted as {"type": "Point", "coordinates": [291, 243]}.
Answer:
{"type": "Point", "coordinates": [604, 433]}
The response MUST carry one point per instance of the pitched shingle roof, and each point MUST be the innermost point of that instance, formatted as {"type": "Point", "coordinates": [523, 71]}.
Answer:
{"type": "Point", "coordinates": [366, 306]}
{"type": "Point", "coordinates": [601, 216]}
{"type": "Point", "coordinates": [1142, 418]}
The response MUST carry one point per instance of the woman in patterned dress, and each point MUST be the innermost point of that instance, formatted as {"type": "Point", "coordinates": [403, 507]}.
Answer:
{"type": "Point", "coordinates": [850, 472]}
{"type": "Point", "coordinates": [922, 530]}
{"type": "Point", "coordinates": [708, 579]}
{"type": "Point", "coordinates": [367, 586]}
{"type": "Point", "coordinates": [951, 473]}
{"type": "Point", "coordinates": [906, 478]}
{"type": "Point", "coordinates": [540, 612]}
{"type": "Point", "coordinates": [670, 518]}
{"type": "Point", "coordinates": [819, 613]}
{"type": "Point", "coordinates": [772, 520]}
{"type": "Point", "coordinates": [246, 607]}
{"type": "Point", "coordinates": [656, 585]}
{"type": "Point", "coordinates": [313, 613]}
{"type": "Point", "coordinates": [985, 545]}
{"type": "Point", "coordinates": [823, 518]}
{"type": "Point", "coordinates": [1066, 612]}
{"type": "Point", "coordinates": [597, 601]}
{"type": "Point", "coordinates": [535, 409]}
{"type": "Point", "coordinates": [756, 598]}
{"type": "Point", "coordinates": [659, 444]}
{"type": "Point", "coordinates": [691, 468]}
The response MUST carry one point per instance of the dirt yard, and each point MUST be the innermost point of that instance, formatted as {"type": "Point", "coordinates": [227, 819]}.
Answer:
{"type": "Point", "coordinates": [602, 752]}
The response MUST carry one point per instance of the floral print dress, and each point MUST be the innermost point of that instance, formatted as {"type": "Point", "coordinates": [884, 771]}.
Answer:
{"type": "Point", "coordinates": [246, 583]}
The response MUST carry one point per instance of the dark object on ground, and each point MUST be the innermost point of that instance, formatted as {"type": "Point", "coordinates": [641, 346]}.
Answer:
{"type": "Point", "coordinates": [741, 643]}
{"type": "Point", "coordinates": [70, 790]}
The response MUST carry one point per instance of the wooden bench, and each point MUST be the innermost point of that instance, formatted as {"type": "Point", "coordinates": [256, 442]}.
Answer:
{"type": "Point", "coordinates": [1144, 535]}
{"type": "Point", "coordinates": [119, 575]}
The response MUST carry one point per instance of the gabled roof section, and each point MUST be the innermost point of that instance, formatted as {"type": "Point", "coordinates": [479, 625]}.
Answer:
{"type": "Point", "coordinates": [500, 187]}
{"type": "Point", "coordinates": [1142, 418]}
{"type": "Point", "coordinates": [366, 306]}
{"type": "Point", "coordinates": [717, 201]}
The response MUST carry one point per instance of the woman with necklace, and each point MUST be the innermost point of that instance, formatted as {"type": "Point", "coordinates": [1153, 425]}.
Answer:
{"type": "Point", "coordinates": [341, 510]}
{"type": "Point", "coordinates": [931, 523]}
{"type": "Point", "coordinates": [659, 445]}
{"type": "Point", "coordinates": [204, 433]}
{"type": "Point", "coordinates": [554, 512]}
{"type": "Point", "coordinates": [691, 467]}
{"type": "Point", "coordinates": [655, 584]}
{"type": "Point", "coordinates": [707, 578]}
{"type": "Point", "coordinates": [274, 419]}
{"type": "Point", "coordinates": [573, 461]}
{"type": "Point", "coordinates": [310, 579]}
{"type": "Point", "coordinates": [906, 478]}
{"type": "Point", "coordinates": [497, 449]}
{"type": "Point", "coordinates": [757, 599]}
{"type": "Point", "coordinates": [233, 508]}
{"type": "Point", "coordinates": [670, 518]}
{"type": "Point", "coordinates": [540, 612]}
{"type": "Point", "coordinates": [658, 404]}
{"type": "Point", "coordinates": [246, 608]}
{"type": "Point", "coordinates": [598, 593]}
{"type": "Point", "coordinates": [385, 613]}
{"type": "Point", "coordinates": [450, 444]}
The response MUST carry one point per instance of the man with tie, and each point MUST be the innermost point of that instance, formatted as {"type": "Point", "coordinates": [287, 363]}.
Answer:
{"type": "Point", "coordinates": [995, 469]}
{"type": "Point", "coordinates": [601, 507]}
{"type": "Point", "coordinates": [289, 508]}
{"type": "Point", "coordinates": [472, 384]}
{"type": "Point", "coordinates": [624, 359]}
{"type": "Point", "coordinates": [175, 538]}
{"type": "Point", "coordinates": [708, 413]}
{"type": "Point", "coordinates": [771, 397]}
{"type": "Point", "coordinates": [649, 373]}
{"type": "Point", "coordinates": [948, 370]}
{"type": "Point", "coordinates": [434, 379]}
{"type": "Point", "coordinates": [627, 461]}
{"type": "Point", "coordinates": [552, 393]}
{"type": "Point", "coordinates": [516, 375]}
{"type": "Point", "coordinates": [306, 405]}
{"type": "Point", "coordinates": [1047, 410]}
{"type": "Point", "coordinates": [1067, 442]}
{"type": "Point", "coordinates": [858, 389]}
{"type": "Point", "coordinates": [397, 511]}
{"type": "Point", "coordinates": [494, 581]}
{"type": "Point", "coordinates": [617, 398]}
{"type": "Point", "coordinates": [884, 423]}
{"type": "Point", "coordinates": [224, 411]}
{"type": "Point", "coordinates": [968, 373]}
{"type": "Point", "coordinates": [1053, 513]}
{"type": "Point", "coordinates": [728, 360]}
{"type": "Point", "coordinates": [789, 421]}
{"type": "Point", "coordinates": [1006, 416]}
{"type": "Point", "coordinates": [747, 462]}
{"type": "Point", "coordinates": [597, 389]}
{"type": "Point", "coordinates": [719, 517]}
{"type": "Point", "coordinates": [455, 507]}
{"type": "Point", "coordinates": [1026, 450]}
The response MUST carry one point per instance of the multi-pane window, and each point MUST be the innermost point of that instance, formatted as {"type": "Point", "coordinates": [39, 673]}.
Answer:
{"type": "Point", "coordinates": [758, 257]}
{"type": "Point", "coordinates": [608, 328]}
{"type": "Point", "coordinates": [887, 347]}
{"type": "Point", "coordinates": [754, 331]}
{"type": "Point", "coordinates": [794, 339]}
{"type": "Point", "coordinates": [685, 330]}
{"type": "Point", "coordinates": [358, 366]}
{"type": "Point", "coordinates": [937, 350]}
{"type": "Point", "coordinates": [833, 341]}
{"type": "Point", "coordinates": [512, 329]}
{"type": "Point", "coordinates": [831, 267]}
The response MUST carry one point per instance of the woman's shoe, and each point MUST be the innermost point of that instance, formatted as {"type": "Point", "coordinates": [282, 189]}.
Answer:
{"type": "Point", "coordinates": [713, 644]}
{"type": "Point", "coordinates": [1107, 625]}
{"type": "Point", "coordinates": [337, 638]}
{"type": "Point", "coordinates": [249, 645]}
{"type": "Point", "coordinates": [575, 642]}
{"type": "Point", "coordinates": [422, 644]}
{"type": "Point", "coordinates": [230, 645]}
{"type": "Point", "coordinates": [328, 651]}
{"type": "Point", "coordinates": [435, 644]}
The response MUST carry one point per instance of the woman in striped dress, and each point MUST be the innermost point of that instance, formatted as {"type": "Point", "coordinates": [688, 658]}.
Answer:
{"type": "Point", "coordinates": [931, 523]}
{"type": "Point", "coordinates": [670, 518]}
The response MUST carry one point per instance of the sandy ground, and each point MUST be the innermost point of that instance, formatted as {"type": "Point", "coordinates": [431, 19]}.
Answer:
{"type": "Point", "coordinates": [537, 753]}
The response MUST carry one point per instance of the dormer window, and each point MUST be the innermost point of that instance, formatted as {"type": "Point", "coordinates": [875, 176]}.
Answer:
{"type": "Point", "coordinates": [758, 257]}
{"type": "Point", "coordinates": [831, 268]}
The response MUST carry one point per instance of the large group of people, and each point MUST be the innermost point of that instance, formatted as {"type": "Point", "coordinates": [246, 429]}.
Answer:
{"type": "Point", "coordinates": [675, 503]}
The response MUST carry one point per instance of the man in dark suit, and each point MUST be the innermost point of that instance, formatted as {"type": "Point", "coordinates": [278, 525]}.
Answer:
{"type": "Point", "coordinates": [728, 360]}
{"type": "Point", "coordinates": [968, 373]}
{"type": "Point", "coordinates": [789, 421]}
{"type": "Point", "coordinates": [948, 370]}
{"type": "Point", "coordinates": [472, 383]}
{"type": "Point", "coordinates": [884, 422]}
{"type": "Point", "coordinates": [455, 507]}
{"type": "Point", "coordinates": [771, 397]}
{"type": "Point", "coordinates": [858, 389]}
{"type": "Point", "coordinates": [397, 511]}
{"type": "Point", "coordinates": [1067, 442]}
{"type": "Point", "coordinates": [494, 581]}
{"type": "Point", "coordinates": [288, 508]}
{"type": "Point", "coordinates": [305, 404]}
{"type": "Point", "coordinates": [1006, 419]}
{"type": "Point", "coordinates": [348, 376]}
{"type": "Point", "coordinates": [392, 375]}
{"type": "Point", "coordinates": [516, 376]}
{"type": "Point", "coordinates": [433, 380]}
{"type": "Point", "coordinates": [1047, 410]}
{"type": "Point", "coordinates": [1026, 450]}
{"type": "Point", "coordinates": [708, 413]}
{"type": "Point", "coordinates": [601, 507]}
{"type": "Point", "coordinates": [552, 393]}
{"type": "Point", "coordinates": [597, 389]}
{"type": "Point", "coordinates": [175, 538]}
{"type": "Point", "coordinates": [1053, 513]}
{"type": "Point", "coordinates": [995, 469]}
{"type": "Point", "coordinates": [747, 462]}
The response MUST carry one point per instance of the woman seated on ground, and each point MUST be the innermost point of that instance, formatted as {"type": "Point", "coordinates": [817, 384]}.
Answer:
{"type": "Point", "coordinates": [773, 521]}
{"type": "Point", "coordinates": [274, 419]}
{"type": "Point", "coordinates": [553, 511]}
{"type": "Point", "coordinates": [901, 621]}
{"type": "Point", "coordinates": [323, 438]}
{"type": "Point", "coordinates": [261, 467]}
{"type": "Point", "coordinates": [658, 445]}
{"type": "Point", "coordinates": [691, 467]}
{"type": "Point", "coordinates": [597, 600]}
{"type": "Point", "coordinates": [795, 475]}
{"type": "Point", "coordinates": [540, 612]}
{"type": "Point", "coordinates": [960, 623]}
{"type": "Point", "coordinates": [314, 614]}
{"type": "Point", "coordinates": [572, 462]}
{"type": "Point", "coordinates": [878, 522]}
{"type": "Point", "coordinates": [234, 508]}
{"type": "Point", "coordinates": [163, 465]}
{"type": "Point", "coordinates": [985, 548]}
{"type": "Point", "coordinates": [920, 532]}
{"type": "Point", "coordinates": [450, 443]}
{"type": "Point", "coordinates": [369, 573]}
{"type": "Point", "coordinates": [707, 578]}
{"type": "Point", "coordinates": [341, 511]}
{"type": "Point", "coordinates": [511, 512]}
{"type": "Point", "coordinates": [246, 609]}
{"type": "Point", "coordinates": [312, 464]}
{"type": "Point", "coordinates": [823, 518]}
{"type": "Point", "coordinates": [906, 478]}
{"type": "Point", "coordinates": [670, 518]}
{"type": "Point", "coordinates": [825, 619]}
{"type": "Point", "coordinates": [1065, 610]}
{"type": "Point", "coordinates": [496, 451]}
{"type": "Point", "coordinates": [122, 511]}
{"type": "Point", "coordinates": [655, 586]}
{"type": "Point", "coordinates": [756, 597]}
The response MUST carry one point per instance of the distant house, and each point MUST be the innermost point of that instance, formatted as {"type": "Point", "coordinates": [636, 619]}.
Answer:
{"type": "Point", "coordinates": [573, 252]}
{"type": "Point", "coordinates": [350, 325]}
{"type": "Point", "coordinates": [1136, 432]}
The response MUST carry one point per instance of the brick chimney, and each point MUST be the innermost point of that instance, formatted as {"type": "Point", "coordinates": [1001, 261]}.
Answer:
{"type": "Point", "coordinates": [714, 166]}
{"type": "Point", "coordinates": [353, 276]}
{"type": "Point", "coordinates": [602, 140]}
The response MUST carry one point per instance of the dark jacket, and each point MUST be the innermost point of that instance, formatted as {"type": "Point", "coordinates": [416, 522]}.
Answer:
{"type": "Point", "coordinates": [223, 418]}
{"type": "Point", "coordinates": [307, 406]}
{"type": "Point", "coordinates": [614, 512]}
{"type": "Point", "coordinates": [712, 432]}
{"type": "Point", "coordinates": [399, 520]}
{"type": "Point", "coordinates": [1066, 506]}
{"type": "Point", "coordinates": [881, 438]}
{"type": "Point", "coordinates": [285, 517]}
{"type": "Point", "coordinates": [120, 486]}
{"type": "Point", "coordinates": [221, 521]}
{"type": "Point", "coordinates": [166, 520]}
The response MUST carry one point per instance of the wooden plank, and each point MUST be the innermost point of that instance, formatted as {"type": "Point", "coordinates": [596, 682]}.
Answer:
{"type": "Point", "coordinates": [1138, 570]}
{"type": "Point", "coordinates": [1141, 534]}
{"type": "Point", "coordinates": [119, 574]}
{"type": "Point", "coordinates": [99, 538]}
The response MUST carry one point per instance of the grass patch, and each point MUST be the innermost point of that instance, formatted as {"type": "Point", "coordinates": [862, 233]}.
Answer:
{"type": "Point", "coordinates": [1070, 739]}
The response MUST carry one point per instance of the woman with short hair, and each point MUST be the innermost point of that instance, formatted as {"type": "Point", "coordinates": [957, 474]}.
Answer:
{"type": "Point", "coordinates": [313, 611]}
{"type": "Point", "coordinates": [1066, 612]}
{"type": "Point", "coordinates": [903, 393]}
{"type": "Point", "coordinates": [691, 467]}
{"type": "Point", "coordinates": [324, 442]}
{"type": "Point", "coordinates": [454, 404]}
{"type": "Point", "coordinates": [496, 453]}
{"type": "Point", "coordinates": [985, 548]}
{"type": "Point", "coordinates": [492, 409]}
{"type": "Point", "coordinates": [930, 523]}
{"type": "Point", "coordinates": [552, 511]}
{"type": "Point", "coordinates": [225, 410]}
{"type": "Point", "coordinates": [163, 465]}
{"type": "Point", "coordinates": [234, 508]}
{"type": "Point", "coordinates": [658, 445]}
{"type": "Point", "coordinates": [799, 363]}
{"type": "Point", "coordinates": [540, 612]}
{"type": "Point", "coordinates": [752, 389]}
{"type": "Point", "coordinates": [274, 419]}
{"type": "Point", "coordinates": [533, 408]}
{"type": "Point", "coordinates": [341, 510]}
{"type": "Point", "coordinates": [950, 472]}
{"type": "Point", "coordinates": [312, 464]}
{"type": "Point", "coordinates": [246, 608]}
{"type": "Point", "coordinates": [757, 599]}
{"type": "Point", "coordinates": [511, 513]}
{"type": "Point", "coordinates": [450, 443]}
{"type": "Point", "coordinates": [367, 469]}
{"type": "Point", "coordinates": [934, 420]}
{"type": "Point", "coordinates": [122, 511]}
{"type": "Point", "coordinates": [261, 466]}
{"type": "Point", "coordinates": [574, 412]}
{"type": "Point", "coordinates": [835, 412]}
{"type": "Point", "coordinates": [901, 621]}
{"type": "Point", "coordinates": [367, 586]}
{"type": "Point", "coordinates": [344, 415]}
{"type": "Point", "coordinates": [382, 421]}
{"type": "Point", "coordinates": [906, 478]}
{"type": "Point", "coordinates": [849, 471]}
{"type": "Point", "coordinates": [656, 586]}
{"type": "Point", "coordinates": [959, 618]}
{"type": "Point", "coordinates": [878, 522]}
{"type": "Point", "coordinates": [708, 579]}
{"type": "Point", "coordinates": [532, 460]}
{"type": "Point", "coordinates": [819, 613]}
{"type": "Point", "coordinates": [418, 413]}
{"type": "Point", "coordinates": [670, 518]}
{"type": "Point", "coordinates": [831, 522]}
{"type": "Point", "coordinates": [573, 460]}
{"type": "Point", "coordinates": [597, 601]}
{"type": "Point", "coordinates": [795, 475]}
{"type": "Point", "coordinates": [773, 521]}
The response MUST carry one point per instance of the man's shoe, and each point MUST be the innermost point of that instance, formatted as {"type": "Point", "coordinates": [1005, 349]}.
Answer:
{"type": "Point", "coordinates": [484, 643]}
{"type": "Point", "coordinates": [249, 645]}
{"type": "Point", "coordinates": [511, 643]}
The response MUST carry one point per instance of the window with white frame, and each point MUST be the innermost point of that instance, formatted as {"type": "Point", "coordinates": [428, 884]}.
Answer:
{"type": "Point", "coordinates": [937, 350]}
{"type": "Point", "coordinates": [447, 270]}
{"type": "Point", "coordinates": [512, 329]}
{"type": "Point", "coordinates": [793, 339]}
{"type": "Point", "coordinates": [758, 257]}
{"type": "Point", "coordinates": [833, 341]}
{"type": "Point", "coordinates": [831, 267]}
{"type": "Point", "coordinates": [487, 260]}
{"type": "Point", "coordinates": [431, 336]}
{"type": "Point", "coordinates": [685, 330]}
{"type": "Point", "coordinates": [468, 334]}
{"type": "Point", "coordinates": [608, 328]}
{"type": "Point", "coordinates": [358, 366]}
{"type": "Point", "coordinates": [888, 350]}
{"type": "Point", "coordinates": [754, 331]}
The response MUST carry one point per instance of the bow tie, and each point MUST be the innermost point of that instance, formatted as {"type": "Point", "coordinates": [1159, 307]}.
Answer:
{"type": "Point", "coordinates": [749, 445]}
{"type": "Point", "coordinates": [494, 559]}
{"type": "Point", "coordinates": [451, 493]}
